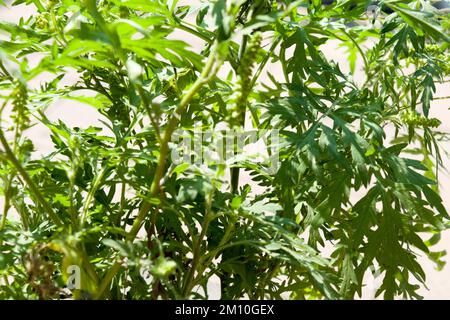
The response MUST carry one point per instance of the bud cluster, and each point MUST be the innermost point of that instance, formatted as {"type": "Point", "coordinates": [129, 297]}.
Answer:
{"type": "Point", "coordinates": [42, 21]}
{"type": "Point", "coordinates": [20, 111]}
{"type": "Point", "coordinates": [414, 119]}
{"type": "Point", "coordinates": [245, 72]}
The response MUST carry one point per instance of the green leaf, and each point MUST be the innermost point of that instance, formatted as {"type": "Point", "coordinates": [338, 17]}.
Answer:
{"type": "Point", "coordinates": [418, 20]}
{"type": "Point", "coordinates": [119, 246]}
{"type": "Point", "coordinates": [182, 167]}
{"type": "Point", "coordinates": [143, 5]}
{"type": "Point", "coordinates": [263, 206]}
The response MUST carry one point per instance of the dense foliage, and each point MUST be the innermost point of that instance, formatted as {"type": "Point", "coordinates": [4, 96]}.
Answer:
{"type": "Point", "coordinates": [355, 190]}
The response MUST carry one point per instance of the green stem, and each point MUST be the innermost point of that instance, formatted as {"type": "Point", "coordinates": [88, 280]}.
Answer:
{"type": "Point", "coordinates": [107, 280]}
{"type": "Point", "coordinates": [207, 259]}
{"type": "Point", "coordinates": [22, 210]}
{"type": "Point", "coordinates": [164, 147]}
{"type": "Point", "coordinates": [7, 204]}
{"type": "Point", "coordinates": [190, 277]}
{"type": "Point", "coordinates": [269, 274]}
{"type": "Point", "coordinates": [57, 28]}
{"type": "Point", "coordinates": [97, 182]}
{"type": "Point", "coordinates": [147, 105]}
{"type": "Point", "coordinates": [366, 63]}
{"type": "Point", "coordinates": [33, 188]}
{"type": "Point", "coordinates": [208, 72]}
{"type": "Point", "coordinates": [73, 213]}
{"type": "Point", "coordinates": [243, 47]}
{"type": "Point", "coordinates": [234, 172]}
{"type": "Point", "coordinates": [182, 26]}
{"type": "Point", "coordinates": [122, 201]}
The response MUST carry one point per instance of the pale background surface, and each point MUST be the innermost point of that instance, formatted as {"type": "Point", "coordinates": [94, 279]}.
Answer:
{"type": "Point", "coordinates": [77, 114]}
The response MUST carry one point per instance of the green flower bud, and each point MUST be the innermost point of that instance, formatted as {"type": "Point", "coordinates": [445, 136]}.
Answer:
{"type": "Point", "coordinates": [245, 73]}
{"type": "Point", "coordinates": [414, 119]}
{"type": "Point", "coordinates": [52, 3]}
{"type": "Point", "coordinates": [20, 110]}
{"type": "Point", "coordinates": [41, 22]}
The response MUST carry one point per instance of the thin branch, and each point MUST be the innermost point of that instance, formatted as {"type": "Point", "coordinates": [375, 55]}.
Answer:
{"type": "Point", "coordinates": [208, 72]}
{"type": "Point", "coordinates": [33, 188]}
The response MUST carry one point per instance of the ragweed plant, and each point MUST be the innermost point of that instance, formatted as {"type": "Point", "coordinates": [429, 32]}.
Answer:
{"type": "Point", "coordinates": [108, 214]}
